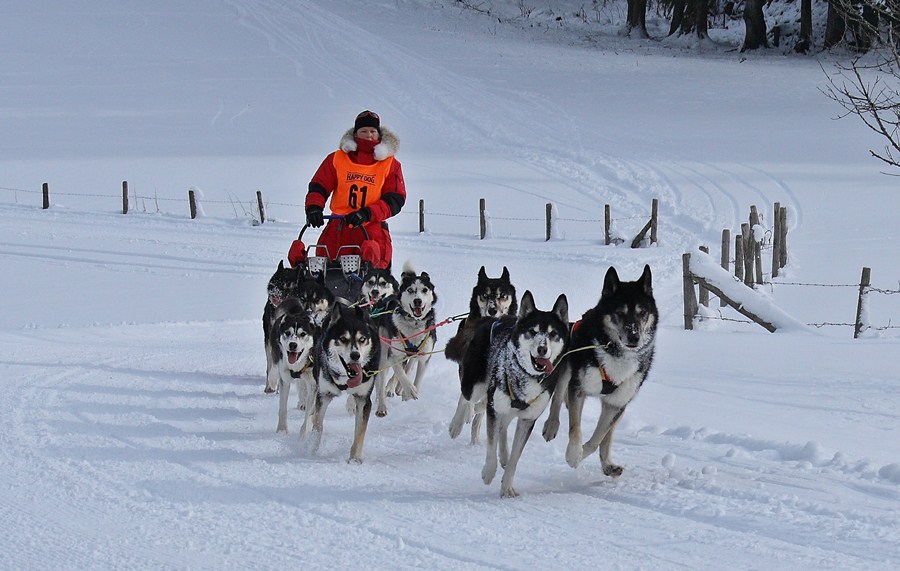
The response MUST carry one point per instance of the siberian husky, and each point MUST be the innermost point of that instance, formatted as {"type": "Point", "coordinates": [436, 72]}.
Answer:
{"type": "Point", "coordinates": [291, 341]}
{"type": "Point", "coordinates": [407, 332]}
{"type": "Point", "coordinates": [518, 376]}
{"type": "Point", "coordinates": [378, 285]}
{"type": "Point", "coordinates": [282, 285]}
{"type": "Point", "coordinates": [347, 354]}
{"type": "Point", "coordinates": [616, 339]}
{"type": "Point", "coordinates": [491, 298]}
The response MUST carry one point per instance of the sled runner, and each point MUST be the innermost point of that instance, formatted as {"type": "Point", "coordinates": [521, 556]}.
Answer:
{"type": "Point", "coordinates": [341, 271]}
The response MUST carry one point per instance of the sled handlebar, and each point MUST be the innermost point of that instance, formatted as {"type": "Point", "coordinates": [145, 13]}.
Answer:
{"type": "Point", "coordinates": [331, 217]}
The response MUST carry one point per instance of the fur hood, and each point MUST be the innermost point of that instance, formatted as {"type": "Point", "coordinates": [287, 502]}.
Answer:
{"type": "Point", "coordinates": [388, 146]}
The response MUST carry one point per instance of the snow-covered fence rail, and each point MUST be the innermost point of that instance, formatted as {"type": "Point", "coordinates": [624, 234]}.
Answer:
{"type": "Point", "coordinates": [702, 272]}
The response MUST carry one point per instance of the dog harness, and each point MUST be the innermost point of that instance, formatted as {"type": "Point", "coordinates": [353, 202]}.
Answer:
{"type": "Point", "coordinates": [608, 385]}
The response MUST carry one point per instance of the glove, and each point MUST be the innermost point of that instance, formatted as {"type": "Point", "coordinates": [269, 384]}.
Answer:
{"type": "Point", "coordinates": [314, 216]}
{"type": "Point", "coordinates": [358, 218]}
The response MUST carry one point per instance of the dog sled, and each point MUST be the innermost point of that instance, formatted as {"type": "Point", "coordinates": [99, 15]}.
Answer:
{"type": "Point", "coordinates": [342, 273]}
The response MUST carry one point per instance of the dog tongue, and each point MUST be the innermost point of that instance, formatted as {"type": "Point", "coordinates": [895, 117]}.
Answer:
{"type": "Point", "coordinates": [355, 380]}
{"type": "Point", "coordinates": [292, 357]}
{"type": "Point", "coordinates": [545, 364]}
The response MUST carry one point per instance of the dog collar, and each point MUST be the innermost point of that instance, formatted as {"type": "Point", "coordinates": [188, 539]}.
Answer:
{"type": "Point", "coordinates": [298, 374]}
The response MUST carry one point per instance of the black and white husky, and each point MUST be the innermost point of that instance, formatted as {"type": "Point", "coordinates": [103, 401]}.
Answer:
{"type": "Point", "coordinates": [491, 298]}
{"type": "Point", "coordinates": [378, 284]}
{"type": "Point", "coordinates": [291, 342]}
{"type": "Point", "coordinates": [316, 298]}
{"type": "Point", "coordinates": [347, 354]}
{"type": "Point", "coordinates": [612, 350]}
{"type": "Point", "coordinates": [282, 285]}
{"type": "Point", "coordinates": [407, 332]}
{"type": "Point", "coordinates": [513, 360]}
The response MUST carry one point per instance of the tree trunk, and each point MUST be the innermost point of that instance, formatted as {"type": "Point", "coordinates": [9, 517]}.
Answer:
{"type": "Point", "coordinates": [701, 23]}
{"type": "Point", "coordinates": [755, 23]}
{"type": "Point", "coordinates": [677, 15]}
{"type": "Point", "coordinates": [636, 23]}
{"type": "Point", "coordinates": [804, 44]}
{"type": "Point", "coordinates": [835, 24]}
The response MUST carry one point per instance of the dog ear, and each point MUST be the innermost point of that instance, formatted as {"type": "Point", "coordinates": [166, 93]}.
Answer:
{"type": "Point", "coordinates": [505, 275]}
{"type": "Point", "coordinates": [482, 275]}
{"type": "Point", "coordinates": [527, 305]}
{"type": "Point", "coordinates": [646, 280]}
{"type": "Point", "coordinates": [335, 314]}
{"type": "Point", "coordinates": [280, 265]}
{"type": "Point", "coordinates": [611, 283]}
{"type": "Point", "coordinates": [561, 308]}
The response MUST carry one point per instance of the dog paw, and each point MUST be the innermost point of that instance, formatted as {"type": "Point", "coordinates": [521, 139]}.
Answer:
{"type": "Point", "coordinates": [508, 492]}
{"type": "Point", "coordinates": [354, 460]}
{"type": "Point", "coordinates": [381, 412]}
{"type": "Point", "coordinates": [488, 472]}
{"type": "Point", "coordinates": [281, 428]}
{"type": "Point", "coordinates": [269, 390]}
{"type": "Point", "coordinates": [613, 470]}
{"type": "Point", "coordinates": [454, 429]}
{"type": "Point", "coordinates": [573, 455]}
{"type": "Point", "coordinates": [411, 394]}
{"type": "Point", "coordinates": [551, 427]}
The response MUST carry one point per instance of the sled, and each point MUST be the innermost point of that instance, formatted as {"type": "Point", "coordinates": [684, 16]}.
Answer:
{"type": "Point", "coordinates": [342, 273]}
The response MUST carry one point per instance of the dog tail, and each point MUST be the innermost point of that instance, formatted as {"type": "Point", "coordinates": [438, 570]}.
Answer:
{"type": "Point", "coordinates": [456, 347]}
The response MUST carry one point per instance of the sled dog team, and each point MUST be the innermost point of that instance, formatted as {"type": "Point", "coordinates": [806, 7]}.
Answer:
{"type": "Point", "coordinates": [514, 360]}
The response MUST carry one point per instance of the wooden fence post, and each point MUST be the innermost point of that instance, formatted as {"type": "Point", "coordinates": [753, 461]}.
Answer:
{"type": "Point", "coordinates": [193, 200]}
{"type": "Point", "coordinates": [739, 258]}
{"type": "Point", "coordinates": [549, 216]}
{"type": "Point", "coordinates": [754, 215]}
{"type": "Point", "coordinates": [482, 221]}
{"type": "Point", "coordinates": [45, 188]}
{"type": "Point", "coordinates": [607, 221]}
{"type": "Point", "coordinates": [864, 282]}
{"type": "Point", "coordinates": [782, 216]}
{"type": "Point", "coordinates": [757, 257]}
{"type": "Point", "coordinates": [726, 255]}
{"type": "Point", "coordinates": [654, 220]}
{"type": "Point", "coordinates": [124, 197]}
{"type": "Point", "coordinates": [776, 240]}
{"type": "Point", "coordinates": [704, 293]}
{"type": "Point", "coordinates": [421, 215]}
{"type": "Point", "coordinates": [262, 208]}
{"type": "Point", "coordinates": [747, 239]}
{"type": "Point", "coordinates": [690, 301]}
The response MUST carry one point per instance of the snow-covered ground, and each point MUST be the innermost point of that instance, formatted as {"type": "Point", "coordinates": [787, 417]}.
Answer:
{"type": "Point", "coordinates": [134, 431]}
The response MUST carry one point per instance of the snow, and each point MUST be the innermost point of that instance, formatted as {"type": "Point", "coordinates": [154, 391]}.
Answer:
{"type": "Point", "coordinates": [134, 431]}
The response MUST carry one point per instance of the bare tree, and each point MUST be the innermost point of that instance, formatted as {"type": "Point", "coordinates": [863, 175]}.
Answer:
{"type": "Point", "coordinates": [868, 85]}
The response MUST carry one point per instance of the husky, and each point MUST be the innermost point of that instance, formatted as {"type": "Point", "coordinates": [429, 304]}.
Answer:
{"type": "Point", "coordinates": [346, 359]}
{"type": "Point", "coordinates": [283, 284]}
{"type": "Point", "coordinates": [316, 298]}
{"type": "Point", "coordinates": [518, 377]}
{"type": "Point", "coordinates": [407, 332]}
{"type": "Point", "coordinates": [291, 341]}
{"type": "Point", "coordinates": [612, 350]}
{"type": "Point", "coordinates": [491, 298]}
{"type": "Point", "coordinates": [378, 285]}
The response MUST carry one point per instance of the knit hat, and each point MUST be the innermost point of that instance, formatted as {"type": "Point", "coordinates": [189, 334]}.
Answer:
{"type": "Point", "coordinates": [367, 119]}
